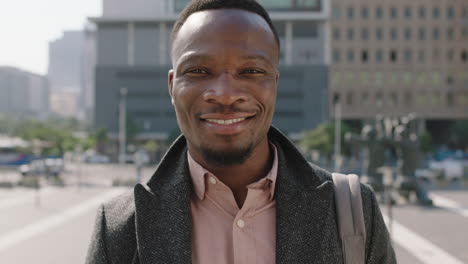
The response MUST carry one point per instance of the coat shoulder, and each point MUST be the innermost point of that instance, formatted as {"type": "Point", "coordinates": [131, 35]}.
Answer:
{"type": "Point", "coordinates": [119, 212]}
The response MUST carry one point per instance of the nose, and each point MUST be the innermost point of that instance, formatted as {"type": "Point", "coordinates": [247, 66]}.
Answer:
{"type": "Point", "coordinates": [226, 90]}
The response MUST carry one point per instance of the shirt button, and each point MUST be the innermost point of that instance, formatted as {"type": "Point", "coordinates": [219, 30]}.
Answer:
{"type": "Point", "coordinates": [240, 223]}
{"type": "Point", "coordinates": [212, 180]}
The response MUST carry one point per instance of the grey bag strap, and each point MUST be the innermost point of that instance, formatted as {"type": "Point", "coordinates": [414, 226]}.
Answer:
{"type": "Point", "coordinates": [350, 217]}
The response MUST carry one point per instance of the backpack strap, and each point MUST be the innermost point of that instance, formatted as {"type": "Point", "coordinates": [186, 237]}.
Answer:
{"type": "Point", "coordinates": [350, 217]}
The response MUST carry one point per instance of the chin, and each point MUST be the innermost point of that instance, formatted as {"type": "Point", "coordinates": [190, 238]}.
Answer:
{"type": "Point", "coordinates": [227, 157]}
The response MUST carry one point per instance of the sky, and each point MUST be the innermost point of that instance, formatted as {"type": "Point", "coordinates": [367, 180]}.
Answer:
{"type": "Point", "coordinates": [27, 27]}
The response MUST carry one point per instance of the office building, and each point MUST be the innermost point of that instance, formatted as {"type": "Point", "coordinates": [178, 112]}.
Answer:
{"type": "Point", "coordinates": [132, 52]}
{"type": "Point", "coordinates": [23, 94]}
{"type": "Point", "coordinates": [395, 57]}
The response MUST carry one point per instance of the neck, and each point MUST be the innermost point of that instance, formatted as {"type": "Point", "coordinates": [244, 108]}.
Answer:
{"type": "Point", "coordinates": [237, 177]}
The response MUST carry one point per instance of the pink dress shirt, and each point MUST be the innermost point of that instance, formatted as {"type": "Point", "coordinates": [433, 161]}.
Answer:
{"type": "Point", "coordinates": [225, 234]}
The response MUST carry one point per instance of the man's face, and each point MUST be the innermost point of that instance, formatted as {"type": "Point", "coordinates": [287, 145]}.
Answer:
{"type": "Point", "coordinates": [223, 83]}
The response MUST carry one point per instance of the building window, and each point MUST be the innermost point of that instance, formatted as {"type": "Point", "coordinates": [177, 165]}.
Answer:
{"type": "Point", "coordinates": [365, 98]}
{"type": "Point", "coordinates": [364, 56]}
{"type": "Point", "coordinates": [350, 12]}
{"type": "Point", "coordinates": [450, 99]}
{"type": "Point", "coordinates": [408, 98]}
{"type": "Point", "coordinates": [393, 12]}
{"type": "Point", "coordinates": [379, 99]}
{"type": "Point", "coordinates": [350, 55]}
{"type": "Point", "coordinates": [336, 55]}
{"type": "Point", "coordinates": [393, 34]}
{"type": "Point", "coordinates": [435, 13]}
{"type": "Point", "coordinates": [349, 98]}
{"type": "Point", "coordinates": [364, 13]}
{"type": "Point", "coordinates": [379, 34]}
{"type": "Point", "coordinates": [465, 12]}
{"type": "Point", "coordinates": [379, 78]}
{"type": "Point", "coordinates": [378, 56]}
{"type": "Point", "coordinates": [465, 33]}
{"type": "Point", "coordinates": [393, 99]}
{"type": "Point", "coordinates": [435, 34]}
{"type": "Point", "coordinates": [436, 80]}
{"type": "Point", "coordinates": [393, 56]}
{"type": "Point", "coordinates": [408, 34]}
{"type": "Point", "coordinates": [422, 12]}
{"type": "Point", "coordinates": [421, 78]}
{"type": "Point", "coordinates": [335, 79]}
{"type": "Point", "coordinates": [407, 78]}
{"type": "Point", "coordinates": [350, 34]}
{"type": "Point", "coordinates": [336, 13]}
{"type": "Point", "coordinates": [408, 12]}
{"type": "Point", "coordinates": [464, 56]}
{"type": "Point", "coordinates": [450, 55]}
{"type": "Point", "coordinates": [450, 34]}
{"type": "Point", "coordinates": [450, 13]}
{"type": "Point", "coordinates": [364, 34]}
{"type": "Point", "coordinates": [379, 12]}
{"type": "Point", "coordinates": [336, 34]}
{"type": "Point", "coordinates": [421, 56]}
{"type": "Point", "coordinates": [408, 55]}
{"type": "Point", "coordinates": [422, 34]}
{"type": "Point", "coordinates": [450, 80]}
{"type": "Point", "coordinates": [435, 55]}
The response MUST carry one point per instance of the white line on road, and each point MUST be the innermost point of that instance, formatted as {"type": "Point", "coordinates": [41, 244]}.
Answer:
{"type": "Point", "coordinates": [450, 205]}
{"type": "Point", "coordinates": [17, 236]}
{"type": "Point", "coordinates": [420, 247]}
{"type": "Point", "coordinates": [10, 202]}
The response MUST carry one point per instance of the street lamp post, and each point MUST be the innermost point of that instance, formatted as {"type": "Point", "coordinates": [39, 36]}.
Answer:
{"type": "Point", "coordinates": [337, 145]}
{"type": "Point", "coordinates": [122, 125]}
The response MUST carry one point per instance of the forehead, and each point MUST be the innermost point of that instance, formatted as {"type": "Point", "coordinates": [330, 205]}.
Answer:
{"type": "Point", "coordinates": [222, 29]}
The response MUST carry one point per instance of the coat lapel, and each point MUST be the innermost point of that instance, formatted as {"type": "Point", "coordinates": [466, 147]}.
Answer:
{"type": "Point", "coordinates": [163, 216]}
{"type": "Point", "coordinates": [306, 230]}
{"type": "Point", "coordinates": [305, 215]}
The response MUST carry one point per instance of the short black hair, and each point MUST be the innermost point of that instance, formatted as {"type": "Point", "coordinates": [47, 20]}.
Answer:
{"type": "Point", "coordinates": [201, 5]}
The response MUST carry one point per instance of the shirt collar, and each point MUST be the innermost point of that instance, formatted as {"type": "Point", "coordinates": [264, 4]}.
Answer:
{"type": "Point", "coordinates": [198, 175]}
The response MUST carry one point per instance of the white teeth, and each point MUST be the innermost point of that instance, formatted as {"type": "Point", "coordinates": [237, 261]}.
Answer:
{"type": "Point", "coordinates": [225, 122]}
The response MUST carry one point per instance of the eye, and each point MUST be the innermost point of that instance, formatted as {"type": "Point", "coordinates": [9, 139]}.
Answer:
{"type": "Point", "coordinates": [197, 71]}
{"type": "Point", "coordinates": [252, 71]}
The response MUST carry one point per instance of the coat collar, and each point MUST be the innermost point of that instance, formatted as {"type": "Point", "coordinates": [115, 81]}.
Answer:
{"type": "Point", "coordinates": [304, 198]}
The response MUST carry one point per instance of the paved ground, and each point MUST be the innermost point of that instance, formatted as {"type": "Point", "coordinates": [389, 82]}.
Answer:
{"type": "Point", "coordinates": [54, 224]}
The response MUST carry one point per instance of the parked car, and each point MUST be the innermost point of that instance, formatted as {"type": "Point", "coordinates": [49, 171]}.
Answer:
{"type": "Point", "coordinates": [47, 167]}
{"type": "Point", "coordinates": [96, 158]}
{"type": "Point", "coordinates": [452, 169]}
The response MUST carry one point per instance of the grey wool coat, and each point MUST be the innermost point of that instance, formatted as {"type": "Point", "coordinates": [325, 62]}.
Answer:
{"type": "Point", "coordinates": [152, 224]}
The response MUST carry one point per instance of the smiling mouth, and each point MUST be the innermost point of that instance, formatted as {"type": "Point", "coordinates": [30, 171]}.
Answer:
{"type": "Point", "coordinates": [225, 121]}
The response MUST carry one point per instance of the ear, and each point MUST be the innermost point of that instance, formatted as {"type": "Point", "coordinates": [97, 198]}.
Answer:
{"type": "Point", "coordinates": [170, 83]}
{"type": "Point", "coordinates": [277, 76]}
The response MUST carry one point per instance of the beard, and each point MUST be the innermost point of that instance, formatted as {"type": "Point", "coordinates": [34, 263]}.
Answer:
{"type": "Point", "coordinates": [223, 158]}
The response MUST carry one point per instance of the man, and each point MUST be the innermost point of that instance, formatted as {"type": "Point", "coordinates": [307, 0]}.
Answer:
{"type": "Point", "coordinates": [232, 189]}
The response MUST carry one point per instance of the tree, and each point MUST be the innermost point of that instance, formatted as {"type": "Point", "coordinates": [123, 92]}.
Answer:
{"type": "Point", "coordinates": [459, 133]}
{"type": "Point", "coordinates": [100, 139]}
{"type": "Point", "coordinates": [425, 141]}
{"type": "Point", "coordinates": [151, 146]}
{"type": "Point", "coordinates": [322, 139]}
{"type": "Point", "coordinates": [132, 128]}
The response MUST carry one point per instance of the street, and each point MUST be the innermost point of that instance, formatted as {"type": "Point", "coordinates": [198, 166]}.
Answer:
{"type": "Point", "coordinates": [54, 224]}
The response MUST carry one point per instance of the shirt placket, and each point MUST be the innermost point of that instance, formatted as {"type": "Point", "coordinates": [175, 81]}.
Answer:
{"type": "Point", "coordinates": [243, 229]}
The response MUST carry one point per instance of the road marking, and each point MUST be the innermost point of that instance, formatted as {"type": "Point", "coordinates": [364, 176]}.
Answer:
{"type": "Point", "coordinates": [17, 236]}
{"type": "Point", "coordinates": [420, 247]}
{"type": "Point", "coordinates": [450, 205]}
{"type": "Point", "coordinates": [27, 196]}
